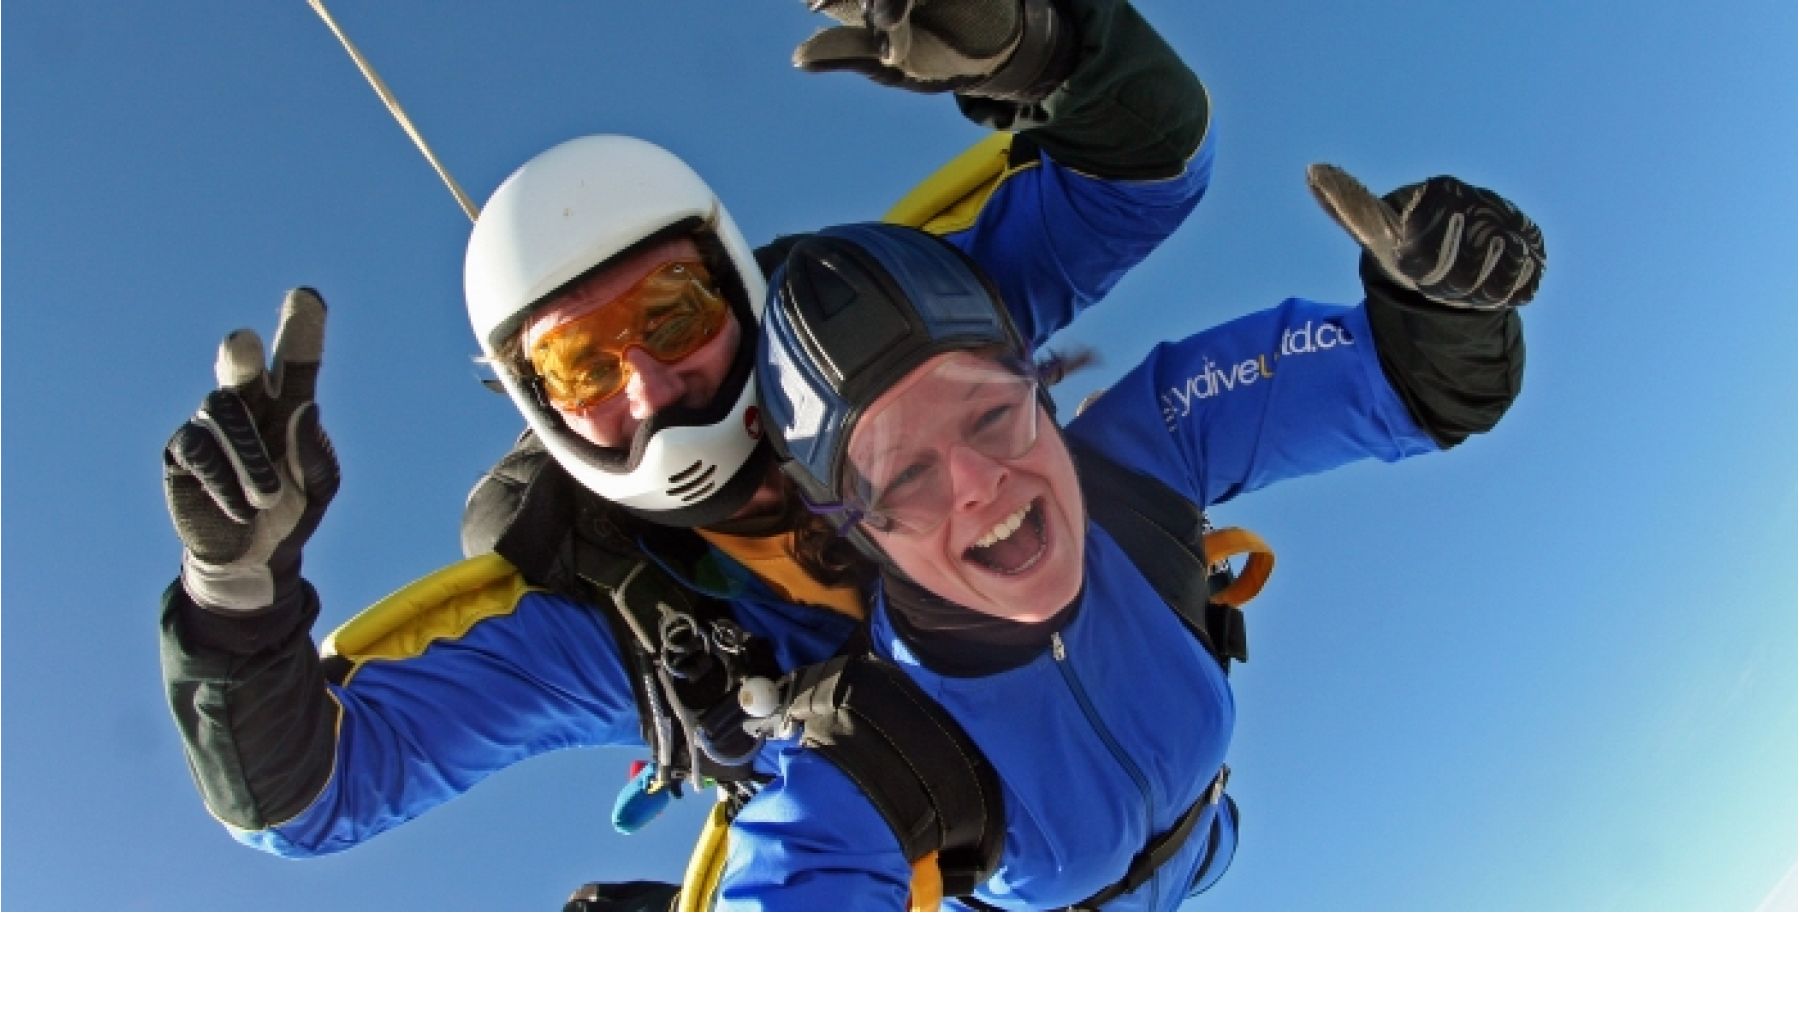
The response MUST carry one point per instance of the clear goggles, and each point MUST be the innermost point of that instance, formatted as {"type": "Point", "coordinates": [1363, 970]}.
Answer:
{"type": "Point", "coordinates": [898, 477]}
{"type": "Point", "coordinates": [670, 313]}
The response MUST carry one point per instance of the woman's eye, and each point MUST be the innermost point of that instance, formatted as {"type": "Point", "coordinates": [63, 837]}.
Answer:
{"type": "Point", "coordinates": [909, 474]}
{"type": "Point", "coordinates": [996, 416]}
{"type": "Point", "coordinates": [904, 479]}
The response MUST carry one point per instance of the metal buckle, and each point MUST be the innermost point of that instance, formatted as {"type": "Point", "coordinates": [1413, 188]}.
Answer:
{"type": "Point", "coordinates": [1216, 790]}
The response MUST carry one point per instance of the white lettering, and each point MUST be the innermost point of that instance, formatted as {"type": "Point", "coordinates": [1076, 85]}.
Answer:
{"type": "Point", "coordinates": [1307, 338]}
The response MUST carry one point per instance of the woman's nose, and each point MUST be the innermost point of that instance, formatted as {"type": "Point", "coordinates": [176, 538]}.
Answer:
{"type": "Point", "coordinates": [975, 478]}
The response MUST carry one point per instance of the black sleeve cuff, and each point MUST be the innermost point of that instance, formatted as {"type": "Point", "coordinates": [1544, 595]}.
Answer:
{"type": "Point", "coordinates": [257, 723]}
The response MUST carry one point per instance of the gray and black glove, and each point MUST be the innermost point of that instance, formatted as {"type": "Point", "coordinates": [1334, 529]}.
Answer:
{"type": "Point", "coordinates": [1452, 243]}
{"type": "Point", "coordinates": [249, 476]}
{"type": "Point", "coordinates": [1014, 50]}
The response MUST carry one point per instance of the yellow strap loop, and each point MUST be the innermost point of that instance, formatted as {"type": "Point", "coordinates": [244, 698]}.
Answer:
{"type": "Point", "coordinates": [1221, 544]}
{"type": "Point", "coordinates": [927, 885]}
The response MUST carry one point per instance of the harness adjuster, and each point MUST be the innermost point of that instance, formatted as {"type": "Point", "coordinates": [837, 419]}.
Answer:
{"type": "Point", "coordinates": [1215, 791]}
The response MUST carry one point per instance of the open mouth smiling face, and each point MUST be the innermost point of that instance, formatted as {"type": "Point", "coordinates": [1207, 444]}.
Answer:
{"type": "Point", "coordinates": [973, 488]}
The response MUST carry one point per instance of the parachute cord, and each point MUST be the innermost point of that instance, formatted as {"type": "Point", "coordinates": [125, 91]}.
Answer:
{"type": "Point", "coordinates": [393, 106]}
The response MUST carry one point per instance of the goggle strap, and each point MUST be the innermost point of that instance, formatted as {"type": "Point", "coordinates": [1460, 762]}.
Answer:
{"type": "Point", "coordinates": [850, 514]}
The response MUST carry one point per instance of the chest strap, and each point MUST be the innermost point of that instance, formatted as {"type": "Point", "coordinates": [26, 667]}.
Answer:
{"type": "Point", "coordinates": [1162, 848]}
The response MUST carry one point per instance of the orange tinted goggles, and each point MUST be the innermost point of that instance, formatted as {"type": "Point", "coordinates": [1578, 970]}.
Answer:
{"type": "Point", "coordinates": [669, 313]}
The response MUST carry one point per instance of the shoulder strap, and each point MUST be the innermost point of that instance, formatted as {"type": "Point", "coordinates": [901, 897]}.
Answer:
{"type": "Point", "coordinates": [917, 766]}
{"type": "Point", "coordinates": [685, 658]}
{"type": "Point", "coordinates": [1165, 535]}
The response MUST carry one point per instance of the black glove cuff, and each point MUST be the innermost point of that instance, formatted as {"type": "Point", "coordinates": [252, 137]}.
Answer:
{"type": "Point", "coordinates": [1457, 369]}
{"type": "Point", "coordinates": [1043, 60]}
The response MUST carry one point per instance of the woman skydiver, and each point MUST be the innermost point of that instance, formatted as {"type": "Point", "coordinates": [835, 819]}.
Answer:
{"type": "Point", "coordinates": [906, 408]}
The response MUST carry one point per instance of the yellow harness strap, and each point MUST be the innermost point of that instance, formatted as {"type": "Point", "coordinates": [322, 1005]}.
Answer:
{"type": "Point", "coordinates": [1229, 542]}
{"type": "Point", "coordinates": [949, 199]}
{"type": "Point", "coordinates": [706, 866]}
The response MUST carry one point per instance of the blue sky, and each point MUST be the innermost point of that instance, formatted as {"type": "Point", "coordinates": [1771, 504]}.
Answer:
{"type": "Point", "coordinates": [1552, 670]}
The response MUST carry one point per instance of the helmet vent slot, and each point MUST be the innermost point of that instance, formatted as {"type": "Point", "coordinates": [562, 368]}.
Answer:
{"type": "Point", "coordinates": [688, 486]}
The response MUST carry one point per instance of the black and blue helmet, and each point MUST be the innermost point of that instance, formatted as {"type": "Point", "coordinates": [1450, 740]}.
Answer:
{"type": "Point", "coordinates": [851, 310]}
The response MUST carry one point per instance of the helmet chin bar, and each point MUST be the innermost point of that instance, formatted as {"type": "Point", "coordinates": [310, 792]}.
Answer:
{"type": "Point", "coordinates": [723, 503]}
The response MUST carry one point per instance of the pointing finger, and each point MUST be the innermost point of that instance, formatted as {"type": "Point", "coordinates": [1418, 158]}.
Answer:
{"type": "Point", "coordinates": [299, 343]}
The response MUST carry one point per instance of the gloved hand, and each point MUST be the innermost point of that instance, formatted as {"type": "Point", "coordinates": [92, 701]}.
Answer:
{"type": "Point", "coordinates": [248, 477]}
{"type": "Point", "coordinates": [1016, 50]}
{"type": "Point", "coordinates": [1453, 243]}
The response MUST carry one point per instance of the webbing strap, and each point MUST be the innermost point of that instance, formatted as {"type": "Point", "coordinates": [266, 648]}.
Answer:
{"type": "Point", "coordinates": [917, 766]}
{"type": "Point", "coordinates": [1170, 542]}
{"type": "Point", "coordinates": [1162, 848]}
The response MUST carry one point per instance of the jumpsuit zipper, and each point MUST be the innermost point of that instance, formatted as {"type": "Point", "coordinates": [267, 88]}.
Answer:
{"type": "Point", "coordinates": [1060, 654]}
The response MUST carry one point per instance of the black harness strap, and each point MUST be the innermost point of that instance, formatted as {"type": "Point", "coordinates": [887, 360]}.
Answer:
{"type": "Point", "coordinates": [684, 673]}
{"type": "Point", "coordinates": [917, 766]}
{"type": "Point", "coordinates": [1164, 534]}
{"type": "Point", "coordinates": [1162, 848]}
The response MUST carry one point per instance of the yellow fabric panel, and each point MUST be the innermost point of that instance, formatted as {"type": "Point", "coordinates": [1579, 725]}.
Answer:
{"type": "Point", "coordinates": [950, 199]}
{"type": "Point", "coordinates": [768, 558]}
{"type": "Point", "coordinates": [440, 606]}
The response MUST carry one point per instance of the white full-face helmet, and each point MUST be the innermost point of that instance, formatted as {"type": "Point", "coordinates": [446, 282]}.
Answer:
{"type": "Point", "coordinates": [565, 213]}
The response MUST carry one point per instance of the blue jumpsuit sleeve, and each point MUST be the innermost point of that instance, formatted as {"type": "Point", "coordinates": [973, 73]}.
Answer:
{"type": "Point", "coordinates": [417, 729]}
{"type": "Point", "coordinates": [1286, 392]}
{"type": "Point", "coordinates": [1056, 241]}
{"type": "Point", "coordinates": [810, 841]}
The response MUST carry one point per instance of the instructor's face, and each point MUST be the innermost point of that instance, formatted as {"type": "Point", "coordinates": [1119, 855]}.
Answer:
{"type": "Point", "coordinates": [651, 386]}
